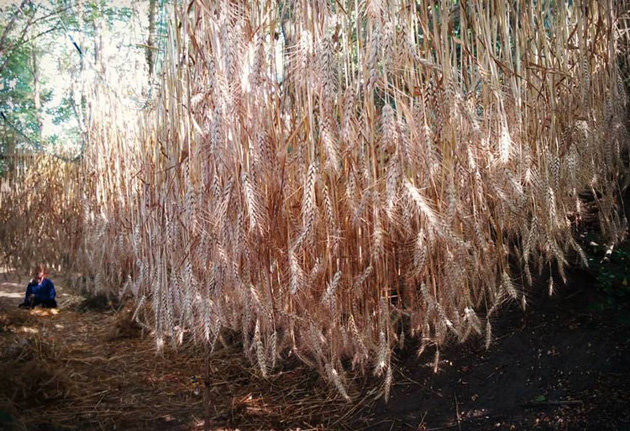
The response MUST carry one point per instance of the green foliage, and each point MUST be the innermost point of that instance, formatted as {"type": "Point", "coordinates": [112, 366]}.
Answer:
{"type": "Point", "coordinates": [612, 271]}
{"type": "Point", "coordinates": [26, 39]}
{"type": "Point", "coordinates": [101, 11]}
{"type": "Point", "coordinates": [16, 88]}
{"type": "Point", "coordinates": [51, 31]}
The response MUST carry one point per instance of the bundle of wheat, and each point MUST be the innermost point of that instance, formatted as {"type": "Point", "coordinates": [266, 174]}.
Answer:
{"type": "Point", "coordinates": [40, 211]}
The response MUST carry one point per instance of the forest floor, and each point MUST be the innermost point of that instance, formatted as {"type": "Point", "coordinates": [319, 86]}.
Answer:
{"type": "Point", "coordinates": [562, 364]}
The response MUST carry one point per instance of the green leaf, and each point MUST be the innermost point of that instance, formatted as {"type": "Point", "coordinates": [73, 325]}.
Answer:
{"type": "Point", "coordinates": [624, 318]}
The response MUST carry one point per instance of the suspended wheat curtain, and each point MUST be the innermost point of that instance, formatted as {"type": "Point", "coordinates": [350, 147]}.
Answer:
{"type": "Point", "coordinates": [41, 216]}
{"type": "Point", "coordinates": [328, 178]}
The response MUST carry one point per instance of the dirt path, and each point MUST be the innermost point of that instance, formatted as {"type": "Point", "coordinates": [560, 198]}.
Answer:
{"type": "Point", "coordinates": [67, 370]}
{"type": "Point", "coordinates": [557, 366]}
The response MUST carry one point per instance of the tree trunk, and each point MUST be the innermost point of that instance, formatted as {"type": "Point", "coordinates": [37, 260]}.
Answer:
{"type": "Point", "coordinates": [79, 97]}
{"type": "Point", "coordinates": [37, 90]}
{"type": "Point", "coordinates": [151, 40]}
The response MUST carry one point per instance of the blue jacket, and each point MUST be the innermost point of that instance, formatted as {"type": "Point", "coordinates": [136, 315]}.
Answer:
{"type": "Point", "coordinates": [44, 291]}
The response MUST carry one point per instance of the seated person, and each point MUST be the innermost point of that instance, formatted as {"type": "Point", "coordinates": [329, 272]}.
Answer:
{"type": "Point", "coordinates": [40, 291]}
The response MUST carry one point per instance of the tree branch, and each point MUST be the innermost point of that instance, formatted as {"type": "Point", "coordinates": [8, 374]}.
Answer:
{"type": "Point", "coordinates": [24, 31]}
{"type": "Point", "coordinates": [17, 45]}
{"type": "Point", "coordinates": [9, 26]}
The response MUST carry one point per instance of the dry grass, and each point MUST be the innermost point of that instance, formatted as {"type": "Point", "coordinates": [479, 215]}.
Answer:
{"type": "Point", "coordinates": [66, 371]}
{"type": "Point", "coordinates": [32, 372]}
{"type": "Point", "coordinates": [399, 170]}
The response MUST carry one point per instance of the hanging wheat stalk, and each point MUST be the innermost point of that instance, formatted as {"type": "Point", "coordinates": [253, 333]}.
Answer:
{"type": "Point", "coordinates": [40, 211]}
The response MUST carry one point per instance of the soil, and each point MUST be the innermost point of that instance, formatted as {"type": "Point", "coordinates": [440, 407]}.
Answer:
{"type": "Point", "coordinates": [562, 364]}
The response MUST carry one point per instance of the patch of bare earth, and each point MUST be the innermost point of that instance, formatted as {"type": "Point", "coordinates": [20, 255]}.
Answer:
{"type": "Point", "coordinates": [558, 365]}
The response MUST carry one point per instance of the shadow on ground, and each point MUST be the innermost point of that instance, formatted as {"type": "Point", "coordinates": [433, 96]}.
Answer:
{"type": "Point", "coordinates": [562, 364]}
